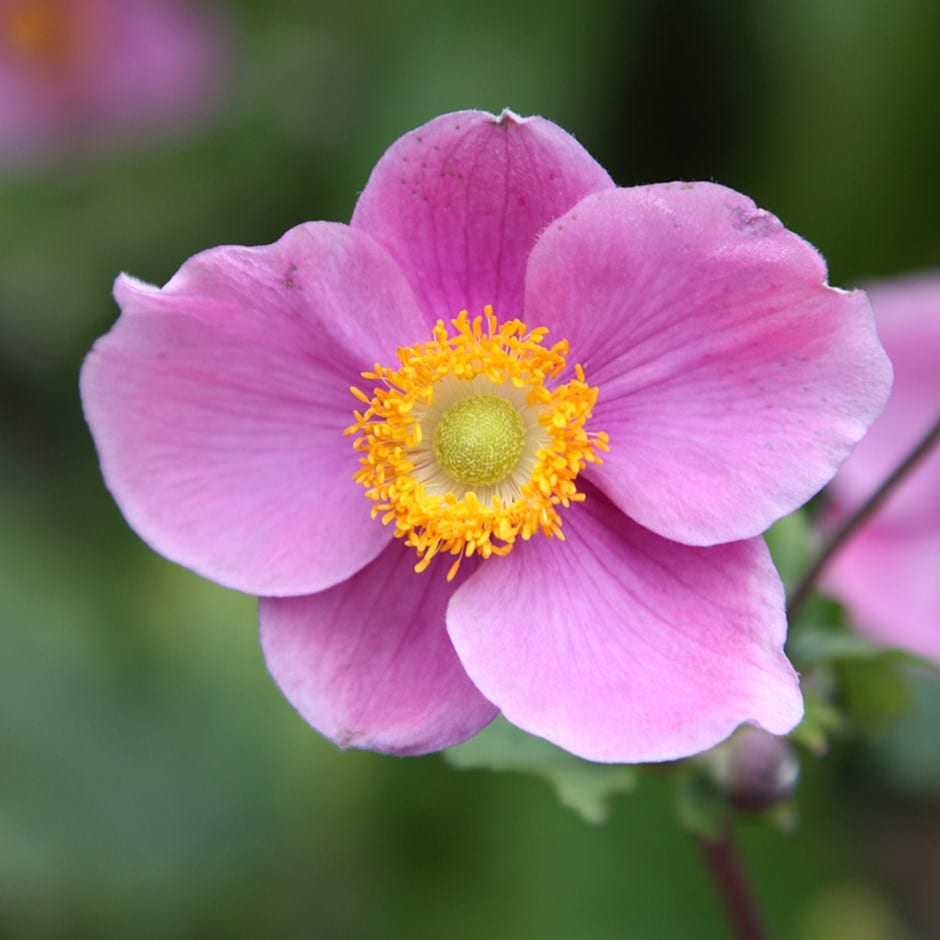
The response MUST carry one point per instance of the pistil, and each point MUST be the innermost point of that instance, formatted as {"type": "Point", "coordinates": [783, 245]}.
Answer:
{"type": "Point", "coordinates": [479, 440]}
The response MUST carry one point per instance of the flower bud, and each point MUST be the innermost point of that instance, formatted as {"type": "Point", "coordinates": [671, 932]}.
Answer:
{"type": "Point", "coordinates": [754, 770]}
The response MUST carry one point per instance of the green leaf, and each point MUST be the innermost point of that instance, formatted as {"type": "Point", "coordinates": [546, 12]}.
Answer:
{"type": "Point", "coordinates": [820, 721]}
{"type": "Point", "coordinates": [868, 683]}
{"type": "Point", "coordinates": [875, 692]}
{"type": "Point", "coordinates": [790, 543]}
{"type": "Point", "coordinates": [814, 645]}
{"type": "Point", "coordinates": [861, 688]}
{"type": "Point", "coordinates": [582, 786]}
{"type": "Point", "coordinates": [907, 758]}
{"type": "Point", "coordinates": [701, 809]}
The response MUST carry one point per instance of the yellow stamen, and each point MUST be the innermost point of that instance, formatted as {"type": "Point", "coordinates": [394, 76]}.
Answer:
{"type": "Point", "coordinates": [537, 432]}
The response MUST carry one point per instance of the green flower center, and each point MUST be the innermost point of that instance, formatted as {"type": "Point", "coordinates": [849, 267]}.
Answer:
{"type": "Point", "coordinates": [479, 440]}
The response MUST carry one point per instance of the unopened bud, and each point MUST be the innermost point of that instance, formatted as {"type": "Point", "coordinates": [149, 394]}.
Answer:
{"type": "Point", "coordinates": [754, 770]}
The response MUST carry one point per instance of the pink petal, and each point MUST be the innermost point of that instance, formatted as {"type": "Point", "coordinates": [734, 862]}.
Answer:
{"type": "Point", "coordinates": [907, 312]}
{"type": "Point", "coordinates": [887, 574]}
{"type": "Point", "coordinates": [733, 381]}
{"type": "Point", "coordinates": [460, 201]}
{"type": "Point", "coordinates": [368, 663]}
{"type": "Point", "coordinates": [621, 646]}
{"type": "Point", "coordinates": [218, 406]}
{"type": "Point", "coordinates": [164, 64]}
{"type": "Point", "coordinates": [888, 580]}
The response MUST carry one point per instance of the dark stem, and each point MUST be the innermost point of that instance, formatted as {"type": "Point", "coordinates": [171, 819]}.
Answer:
{"type": "Point", "coordinates": [857, 519]}
{"type": "Point", "coordinates": [724, 865]}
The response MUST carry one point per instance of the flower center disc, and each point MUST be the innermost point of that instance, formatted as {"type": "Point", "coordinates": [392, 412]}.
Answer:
{"type": "Point", "coordinates": [479, 440]}
{"type": "Point", "coordinates": [471, 443]}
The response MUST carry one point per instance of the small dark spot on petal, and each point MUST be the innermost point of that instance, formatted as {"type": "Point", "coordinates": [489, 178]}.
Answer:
{"type": "Point", "coordinates": [755, 221]}
{"type": "Point", "coordinates": [347, 736]}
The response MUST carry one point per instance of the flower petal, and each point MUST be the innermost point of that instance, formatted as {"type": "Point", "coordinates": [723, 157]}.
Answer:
{"type": "Point", "coordinates": [621, 646]}
{"type": "Point", "coordinates": [218, 405]}
{"type": "Point", "coordinates": [907, 312]}
{"type": "Point", "coordinates": [368, 663]}
{"type": "Point", "coordinates": [460, 201]}
{"type": "Point", "coordinates": [886, 573]}
{"type": "Point", "coordinates": [733, 381]}
{"type": "Point", "coordinates": [887, 579]}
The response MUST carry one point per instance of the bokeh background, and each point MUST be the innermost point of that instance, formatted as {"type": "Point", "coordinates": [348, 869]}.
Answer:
{"type": "Point", "coordinates": [153, 783]}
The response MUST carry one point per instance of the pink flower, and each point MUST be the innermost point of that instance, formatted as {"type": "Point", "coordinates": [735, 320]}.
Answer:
{"type": "Point", "coordinates": [887, 573]}
{"type": "Point", "coordinates": [82, 73]}
{"type": "Point", "coordinates": [611, 593]}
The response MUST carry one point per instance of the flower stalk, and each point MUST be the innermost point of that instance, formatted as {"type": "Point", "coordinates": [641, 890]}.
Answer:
{"type": "Point", "coordinates": [723, 862]}
{"type": "Point", "coordinates": [858, 518]}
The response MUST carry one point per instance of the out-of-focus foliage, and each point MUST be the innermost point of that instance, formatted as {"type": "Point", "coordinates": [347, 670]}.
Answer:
{"type": "Point", "coordinates": [152, 781]}
{"type": "Point", "coordinates": [585, 787]}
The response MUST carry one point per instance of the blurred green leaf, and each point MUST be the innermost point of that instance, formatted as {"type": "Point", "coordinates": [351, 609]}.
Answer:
{"type": "Point", "coordinates": [785, 817]}
{"type": "Point", "coordinates": [822, 635]}
{"type": "Point", "coordinates": [790, 544]}
{"type": "Point", "coordinates": [813, 646]}
{"type": "Point", "coordinates": [867, 687]}
{"type": "Point", "coordinates": [907, 758]}
{"type": "Point", "coordinates": [820, 721]}
{"type": "Point", "coordinates": [582, 786]}
{"type": "Point", "coordinates": [875, 691]}
{"type": "Point", "coordinates": [701, 809]}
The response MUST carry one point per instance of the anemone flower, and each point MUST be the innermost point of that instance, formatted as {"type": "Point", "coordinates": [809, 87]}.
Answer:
{"type": "Point", "coordinates": [83, 74]}
{"type": "Point", "coordinates": [887, 573]}
{"type": "Point", "coordinates": [574, 409]}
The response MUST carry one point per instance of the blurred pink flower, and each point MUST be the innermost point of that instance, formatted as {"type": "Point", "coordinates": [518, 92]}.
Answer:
{"type": "Point", "coordinates": [888, 574]}
{"type": "Point", "coordinates": [627, 609]}
{"type": "Point", "coordinates": [88, 73]}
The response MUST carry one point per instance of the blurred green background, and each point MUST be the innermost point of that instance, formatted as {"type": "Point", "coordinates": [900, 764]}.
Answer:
{"type": "Point", "coordinates": [153, 783]}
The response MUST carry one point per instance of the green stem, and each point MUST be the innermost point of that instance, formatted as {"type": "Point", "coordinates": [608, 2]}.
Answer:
{"type": "Point", "coordinates": [857, 519]}
{"type": "Point", "coordinates": [724, 865]}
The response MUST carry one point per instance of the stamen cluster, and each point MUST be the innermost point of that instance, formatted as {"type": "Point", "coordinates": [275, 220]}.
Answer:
{"type": "Point", "coordinates": [394, 451]}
